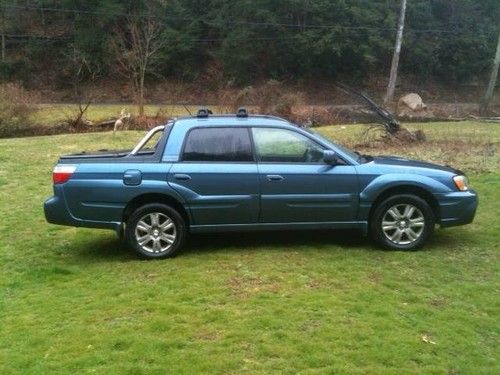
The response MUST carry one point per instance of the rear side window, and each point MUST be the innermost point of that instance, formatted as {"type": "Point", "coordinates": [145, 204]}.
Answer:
{"type": "Point", "coordinates": [218, 144]}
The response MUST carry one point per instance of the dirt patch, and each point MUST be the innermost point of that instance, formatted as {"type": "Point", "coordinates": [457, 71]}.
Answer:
{"type": "Point", "coordinates": [246, 286]}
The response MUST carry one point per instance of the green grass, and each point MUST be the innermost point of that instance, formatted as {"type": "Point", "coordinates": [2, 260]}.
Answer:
{"type": "Point", "coordinates": [75, 301]}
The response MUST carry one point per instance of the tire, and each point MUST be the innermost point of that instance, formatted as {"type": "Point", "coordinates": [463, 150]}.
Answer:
{"type": "Point", "coordinates": [402, 222]}
{"type": "Point", "coordinates": [161, 228]}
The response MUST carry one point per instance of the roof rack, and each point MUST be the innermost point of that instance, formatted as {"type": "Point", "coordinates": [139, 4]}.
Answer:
{"type": "Point", "coordinates": [242, 112]}
{"type": "Point", "coordinates": [203, 113]}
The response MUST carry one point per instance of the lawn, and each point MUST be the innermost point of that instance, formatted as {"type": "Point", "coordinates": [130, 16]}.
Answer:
{"type": "Point", "coordinates": [75, 301]}
{"type": "Point", "coordinates": [53, 114]}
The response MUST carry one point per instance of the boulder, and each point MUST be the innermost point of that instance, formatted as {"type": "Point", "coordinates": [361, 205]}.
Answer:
{"type": "Point", "coordinates": [412, 101]}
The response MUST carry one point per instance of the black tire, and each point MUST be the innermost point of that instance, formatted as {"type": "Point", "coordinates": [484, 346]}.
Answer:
{"type": "Point", "coordinates": [159, 235]}
{"type": "Point", "coordinates": [421, 222]}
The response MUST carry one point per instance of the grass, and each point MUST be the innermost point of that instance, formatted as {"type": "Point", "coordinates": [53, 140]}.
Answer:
{"type": "Point", "coordinates": [75, 301]}
{"type": "Point", "coordinates": [53, 114]}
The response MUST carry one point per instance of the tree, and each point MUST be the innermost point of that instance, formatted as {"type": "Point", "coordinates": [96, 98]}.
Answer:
{"type": "Point", "coordinates": [395, 57]}
{"type": "Point", "coordinates": [137, 46]}
{"type": "Point", "coordinates": [493, 79]}
{"type": "Point", "coordinates": [5, 24]}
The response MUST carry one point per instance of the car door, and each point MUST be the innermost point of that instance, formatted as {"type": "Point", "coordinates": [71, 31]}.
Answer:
{"type": "Point", "coordinates": [296, 185]}
{"type": "Point", "coordinates": [217, 176]}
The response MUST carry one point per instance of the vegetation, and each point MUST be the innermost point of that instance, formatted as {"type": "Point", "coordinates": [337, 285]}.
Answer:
{"type": "Point", "coordinates": [74, 301]}
{"type": "Point", "coordinates": [238, 41]}
{"type": "Point", "coordinates": [16, 108]}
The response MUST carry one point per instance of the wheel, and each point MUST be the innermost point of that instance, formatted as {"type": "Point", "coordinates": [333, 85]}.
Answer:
{"type": "Point", "coordinates": [402, 222]}
{"type": "Point", "coordinates": [155, 231]}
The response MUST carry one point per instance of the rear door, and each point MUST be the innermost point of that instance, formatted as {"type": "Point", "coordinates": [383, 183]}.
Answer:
{"type": "Point", "coordinates": [296, 185]}
{"type": "Point", "coordinates": [217, 176]}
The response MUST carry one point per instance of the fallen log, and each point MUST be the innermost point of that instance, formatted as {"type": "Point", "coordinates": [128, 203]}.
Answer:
{"type": "Point", "coordinates": [107, 123]}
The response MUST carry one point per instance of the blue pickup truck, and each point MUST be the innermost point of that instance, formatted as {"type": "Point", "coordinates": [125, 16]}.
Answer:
{"type": "Point", "coordinates": [214, 173]}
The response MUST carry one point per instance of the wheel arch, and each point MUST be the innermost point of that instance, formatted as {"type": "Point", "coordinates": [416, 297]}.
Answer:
{"type": "Point", "coordinates": [162, 198]}
{"type": "Point", "coordinates": [407, 189]}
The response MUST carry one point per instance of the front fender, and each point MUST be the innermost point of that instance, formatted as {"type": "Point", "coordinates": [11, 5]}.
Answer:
{"type": "Point", "coordinates": [380, 184]}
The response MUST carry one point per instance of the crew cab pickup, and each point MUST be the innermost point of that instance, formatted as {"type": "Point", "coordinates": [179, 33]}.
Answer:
{"type": "Point", "coordinates": [216, 173]}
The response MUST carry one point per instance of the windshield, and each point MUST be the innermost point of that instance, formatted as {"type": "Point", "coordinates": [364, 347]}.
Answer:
{"type": "Point", "coordinates": [351, 154]}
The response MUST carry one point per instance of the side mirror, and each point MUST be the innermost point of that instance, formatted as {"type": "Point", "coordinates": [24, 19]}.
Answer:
{"type": "Point", "coordinates": [330, 157]}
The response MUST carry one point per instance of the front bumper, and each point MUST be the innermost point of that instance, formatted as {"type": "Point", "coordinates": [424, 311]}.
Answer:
{"type": "Point", "coordinates": [457, 208]}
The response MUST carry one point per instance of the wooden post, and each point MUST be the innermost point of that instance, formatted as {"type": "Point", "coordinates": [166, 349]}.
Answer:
{"type": "Point", "coordinates": [395, 57]}
{"type": "Point", "coordinates": [493, 79]}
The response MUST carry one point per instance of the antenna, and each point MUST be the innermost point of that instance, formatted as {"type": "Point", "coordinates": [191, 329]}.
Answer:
{"type": "Point", "coordinates": [187, 109]}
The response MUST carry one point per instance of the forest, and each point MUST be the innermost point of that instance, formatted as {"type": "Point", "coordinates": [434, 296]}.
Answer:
{"type": "Point", "coordinates": [60, 43]}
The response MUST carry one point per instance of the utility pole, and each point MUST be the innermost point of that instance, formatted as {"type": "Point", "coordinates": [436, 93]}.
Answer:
{"type": "Point", "coordinates": [3, 33]}
{"type": "Point", "coordinates": [389, 96]}
{"type": "Point", "coordinates": [3, 42]}
{"type": "Point", "coordinates": [493, 79]}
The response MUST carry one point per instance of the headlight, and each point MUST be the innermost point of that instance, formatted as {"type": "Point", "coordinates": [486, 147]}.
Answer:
{"type": "Point", "coordinates": [461, 182]}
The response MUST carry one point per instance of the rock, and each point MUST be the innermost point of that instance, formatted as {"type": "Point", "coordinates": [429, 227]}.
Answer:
{"type": "Point", "coordinates": [411, 101]}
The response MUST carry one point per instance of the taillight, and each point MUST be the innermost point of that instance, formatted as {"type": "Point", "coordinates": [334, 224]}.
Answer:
{"type": "Point", "coordinates": [62, 173]}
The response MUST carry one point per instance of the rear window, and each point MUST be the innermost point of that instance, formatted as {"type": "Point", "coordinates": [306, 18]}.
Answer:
{"type": "Point", "coordinates": [218, 144]}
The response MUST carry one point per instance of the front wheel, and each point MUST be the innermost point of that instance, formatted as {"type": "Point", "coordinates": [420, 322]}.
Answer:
{"type": "Point", "coordinates": [155, 231]}
{"type": "Point", "coordinates": [402, 222]}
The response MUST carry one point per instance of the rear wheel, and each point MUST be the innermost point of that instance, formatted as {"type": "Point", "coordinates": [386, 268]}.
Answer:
{"type": "Point", "coordinates": [155, 231]}
{"type": "Point", "coordinates": [402, 222]}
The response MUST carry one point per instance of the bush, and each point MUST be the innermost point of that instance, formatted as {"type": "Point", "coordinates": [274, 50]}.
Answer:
{"type": "Point", "coordinates": [16, 107]}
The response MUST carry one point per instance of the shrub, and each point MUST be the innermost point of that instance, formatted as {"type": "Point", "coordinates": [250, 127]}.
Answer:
{"type": "Point", "coordinates": [16, 107]}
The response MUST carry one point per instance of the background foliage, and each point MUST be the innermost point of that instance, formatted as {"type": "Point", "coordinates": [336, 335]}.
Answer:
{"type": "Point", "coordinates": [239, 41]}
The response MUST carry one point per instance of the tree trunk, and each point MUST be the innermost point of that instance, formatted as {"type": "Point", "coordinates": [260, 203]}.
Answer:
{"type": "Point", "coordinates": [389, 97]}
{"type": "Point", "coordinates": [3, 46]}
{"type": "Point", "coordinates": [141, 95]}
{"type": "Point", "coordinates": [493, 79]}
{"type": "Point", "coordinates": [3, 38]}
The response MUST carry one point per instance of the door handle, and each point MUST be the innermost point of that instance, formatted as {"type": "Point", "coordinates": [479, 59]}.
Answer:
{"type": "Point", "coordinates": [274, 177]}
{"type": "Point", "coordinates": [182, 177]}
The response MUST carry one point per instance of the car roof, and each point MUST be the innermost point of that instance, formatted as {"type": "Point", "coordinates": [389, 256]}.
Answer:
{"type": "Point", "coordinates": [233, 120]}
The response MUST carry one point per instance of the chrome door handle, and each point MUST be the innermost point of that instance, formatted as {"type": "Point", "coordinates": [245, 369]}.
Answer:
{"type": "Point", "coordinates": [182, 177]}
{"type": "Point", "coordinates": [274, 177]}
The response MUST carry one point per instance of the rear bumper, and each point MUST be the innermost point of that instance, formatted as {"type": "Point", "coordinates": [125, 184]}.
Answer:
{"type": "Point", "coordinates": [56, 212]}
{"type": "Point", "coordinates": [457, 208]}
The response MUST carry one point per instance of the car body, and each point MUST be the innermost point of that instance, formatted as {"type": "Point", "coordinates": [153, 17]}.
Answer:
{"type": "Point", "coordinates": [242, 173]}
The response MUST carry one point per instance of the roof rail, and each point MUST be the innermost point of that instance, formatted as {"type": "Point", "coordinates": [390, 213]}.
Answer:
{"type": "Point", "coordinates": [203, 112]}
{"type": "Point", "coordinates": [242, 112]}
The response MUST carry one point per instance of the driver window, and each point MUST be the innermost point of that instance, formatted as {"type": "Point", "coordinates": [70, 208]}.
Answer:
{"type": "Point", "coordinates": [285, 146]}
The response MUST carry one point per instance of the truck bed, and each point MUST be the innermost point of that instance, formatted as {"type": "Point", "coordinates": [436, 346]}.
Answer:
{"type": "Point", "coordinates": [107, 156]}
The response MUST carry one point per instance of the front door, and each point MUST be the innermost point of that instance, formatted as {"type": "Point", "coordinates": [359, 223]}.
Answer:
{"type": "Point", "coordinates": [217, 176]}
{"type": "Point", "coordinates": [296, 185]}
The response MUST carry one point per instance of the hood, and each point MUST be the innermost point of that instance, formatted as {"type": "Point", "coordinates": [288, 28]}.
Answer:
{"type": "Point", "coordinates": [404, 162]}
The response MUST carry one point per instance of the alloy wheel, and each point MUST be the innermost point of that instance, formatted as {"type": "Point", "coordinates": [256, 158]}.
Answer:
{"type": "Point", "coordinates": [155, 232]}
{"type": "Point", "coordinates": [403, 224]}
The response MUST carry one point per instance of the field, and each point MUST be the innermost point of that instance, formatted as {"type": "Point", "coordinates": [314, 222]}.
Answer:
{"type": "Point", "coordinates": [75, 301]}
{"type": "Point", "coordinates": [53, 114]}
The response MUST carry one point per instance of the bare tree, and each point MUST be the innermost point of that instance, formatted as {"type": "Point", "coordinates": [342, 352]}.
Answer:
{"type": "Point", "coordinates": [493, 79]}
{"type": "Point", "coordinates": [389, 97]}
{"type": "Point", "coordinates": [137, 45]}
{"type": "Point", "coordinates": [79, 66]}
